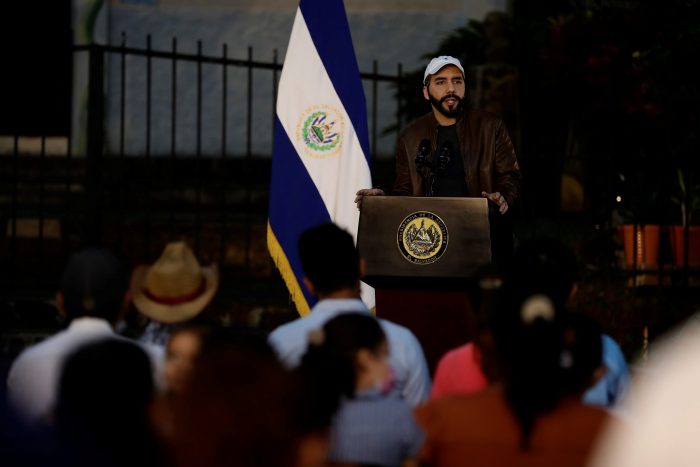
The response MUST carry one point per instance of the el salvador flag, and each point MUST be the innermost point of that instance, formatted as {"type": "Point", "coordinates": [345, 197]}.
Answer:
{"type": "Point", "coordinates": [321, 148]}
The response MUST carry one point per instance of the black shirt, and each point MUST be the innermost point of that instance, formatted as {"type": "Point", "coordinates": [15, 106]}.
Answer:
{"type": "Point", "coordinates": [451, 180]}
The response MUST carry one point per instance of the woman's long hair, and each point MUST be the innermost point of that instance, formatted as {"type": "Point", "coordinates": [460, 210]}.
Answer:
{"type": "Point", "coordinates": [330, 361]}
{"type": "Point", "coordinates": [545, 354]}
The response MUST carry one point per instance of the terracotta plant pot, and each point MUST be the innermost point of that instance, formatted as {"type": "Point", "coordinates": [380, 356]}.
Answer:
{"type": "Point", "coordinates": [677, 237]}
{"type": "Point", "coordinates": [642, 244]}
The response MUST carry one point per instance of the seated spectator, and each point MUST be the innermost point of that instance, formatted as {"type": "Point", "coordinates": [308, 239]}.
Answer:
{"type": "Point", "coordinates": [105, 392]}
{"type": "Point", "coordinates": [175, 289]}
{"type": "Point", "coordinates": [333, 268]}
{"type": "Point", "coordinates": [349, 358]}
{"type": "Point", "coordinates": [241, 407]}
{"type": "Point", "coordinates": [539, 264]}
{"type": "Point", "coordinates": [534, 417]}
{"type": "Point", "coordinates": [462, 370]}
{"type": "Point", "coordinates": [181, 352]}
{"type": "Point", "coordinates": [181, 355]}
{"type": "Point", "coordinates": [92, 298]}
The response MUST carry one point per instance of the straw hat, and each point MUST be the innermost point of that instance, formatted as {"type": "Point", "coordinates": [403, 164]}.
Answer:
{"type": "Point", "coordinates": [175, 288]}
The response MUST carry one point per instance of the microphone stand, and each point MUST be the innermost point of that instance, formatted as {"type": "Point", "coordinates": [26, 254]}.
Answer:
{"type": "Point", "coordinates": [425, 163]}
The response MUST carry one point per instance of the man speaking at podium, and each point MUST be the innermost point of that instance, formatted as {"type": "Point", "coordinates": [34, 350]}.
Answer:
{"type": "Point", "coordinates": [454, 151]}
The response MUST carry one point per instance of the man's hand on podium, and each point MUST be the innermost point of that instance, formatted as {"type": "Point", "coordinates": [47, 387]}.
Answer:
{"type": "Point", "coordinates": [367, 192]}
{"type": "Point", "coordinates": [498, 200]}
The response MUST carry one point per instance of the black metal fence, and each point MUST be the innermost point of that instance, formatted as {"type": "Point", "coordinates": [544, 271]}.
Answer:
{"type": "Point", "coordinates": [100, 191]}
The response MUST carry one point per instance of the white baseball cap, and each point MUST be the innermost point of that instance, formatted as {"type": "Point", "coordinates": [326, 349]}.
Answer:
{"type": "Point", "coordinates": [438, 62]}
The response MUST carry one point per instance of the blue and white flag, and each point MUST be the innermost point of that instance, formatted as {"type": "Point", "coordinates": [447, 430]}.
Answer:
{"type": "Point", "coordinates": [321, 148]}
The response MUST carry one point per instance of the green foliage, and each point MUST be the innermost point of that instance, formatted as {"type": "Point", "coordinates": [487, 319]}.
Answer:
{"type": "Point", "coordinates": [687, 197]}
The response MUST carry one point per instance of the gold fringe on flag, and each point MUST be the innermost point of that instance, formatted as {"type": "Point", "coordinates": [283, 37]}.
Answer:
{"type": "Point", "coordinates": [285, 269]}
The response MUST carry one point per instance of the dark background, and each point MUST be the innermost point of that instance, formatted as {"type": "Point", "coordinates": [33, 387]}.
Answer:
{"type": "Point", "coordinates": [35, 82]}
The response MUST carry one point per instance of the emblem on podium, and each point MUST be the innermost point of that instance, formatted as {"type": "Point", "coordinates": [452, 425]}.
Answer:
{"type": "Point", "coordinates": [422, 237]}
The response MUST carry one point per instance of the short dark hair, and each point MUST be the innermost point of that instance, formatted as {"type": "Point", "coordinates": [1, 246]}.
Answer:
{"type": "Point", "coordinates": [329, 258]}
{"type": "Point", "coordinates": [93, 284]}
{"type": "Point", "coordinates": [105, 390]}
{"type": "Point", "coordinates": [110, 374]}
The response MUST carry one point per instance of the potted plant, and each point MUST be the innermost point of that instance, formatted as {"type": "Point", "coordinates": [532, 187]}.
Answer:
{"type": "Point", "coordinates": [688, 198]}
{"type": "Point", "coordinates": [639, 229]}
{"type": "Point", "coordinates": [641, 245]}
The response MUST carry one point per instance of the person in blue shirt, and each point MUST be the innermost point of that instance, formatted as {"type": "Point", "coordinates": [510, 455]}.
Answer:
{"type": "Point", "coordinates": [348, 359]}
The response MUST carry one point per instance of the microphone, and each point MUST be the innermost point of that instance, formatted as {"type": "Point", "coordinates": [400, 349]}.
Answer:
{"type": "Point", "coordinates": [423, 159]}
{"type": "Point", "coordinates": [423, 152]}
{"type": "Point", "coordinates": [445, 157]}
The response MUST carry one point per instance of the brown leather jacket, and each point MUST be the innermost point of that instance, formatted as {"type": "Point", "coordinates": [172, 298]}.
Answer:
{"type": "Point", "coordinates": [490, 164]}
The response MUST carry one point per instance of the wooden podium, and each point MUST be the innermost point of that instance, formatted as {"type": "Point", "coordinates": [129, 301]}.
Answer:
{"type": "Point", "coordinates": [420, 255]}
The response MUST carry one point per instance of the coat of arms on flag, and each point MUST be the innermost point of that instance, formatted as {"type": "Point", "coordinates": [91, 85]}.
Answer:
{"type": "Point", "coordinates": [321, 129]}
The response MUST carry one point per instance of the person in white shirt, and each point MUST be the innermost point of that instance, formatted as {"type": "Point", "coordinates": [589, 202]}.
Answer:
{"type": "Point", "coordinates": [92, 298]}
{"type": "Point", "coordinates": [333, 268]}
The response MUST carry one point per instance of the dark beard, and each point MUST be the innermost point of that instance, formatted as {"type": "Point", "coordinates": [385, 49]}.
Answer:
{"type": "Point", "coordinates": [440, 107]}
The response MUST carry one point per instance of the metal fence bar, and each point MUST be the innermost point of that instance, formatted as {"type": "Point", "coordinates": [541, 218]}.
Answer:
{"type": "Point", "coordinates": [149, 78]}
{"type": "Point", "coordinates": [122, 138]}
{"type": "Point", "coordinates": [14, 207]}
{"type": "Point", "coordinates": [214, 60]}
{"type": "Point", "coordinates": [249, 156]}
{"type": "Point", "coordinates": [122, 94]}
{"type": "Point", "coordinates": [224, 107]}
{"type": "Point", "coordinates": [274, 97]}
{"type": "Point", "coordinates": [147, 182]}
{"type": "Point", "coordinates": [67, 214]}
{"type": "Point", "coordinates": [198, 154]}
{"type": "Point", "coordinates": [249, 105]}
{"type": "Point", "coordinates": [375, 70]}
{"type": "Point", "coordinates": [42, 194]}
{"type": "Point", "coordinates": [173, 138]}
{"type": "Point", "coordinates": [180, 56]}
{"type": "Point", "coordinates": [95, 144]}
{"type": "Point", "coordinates": [399, 103]}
